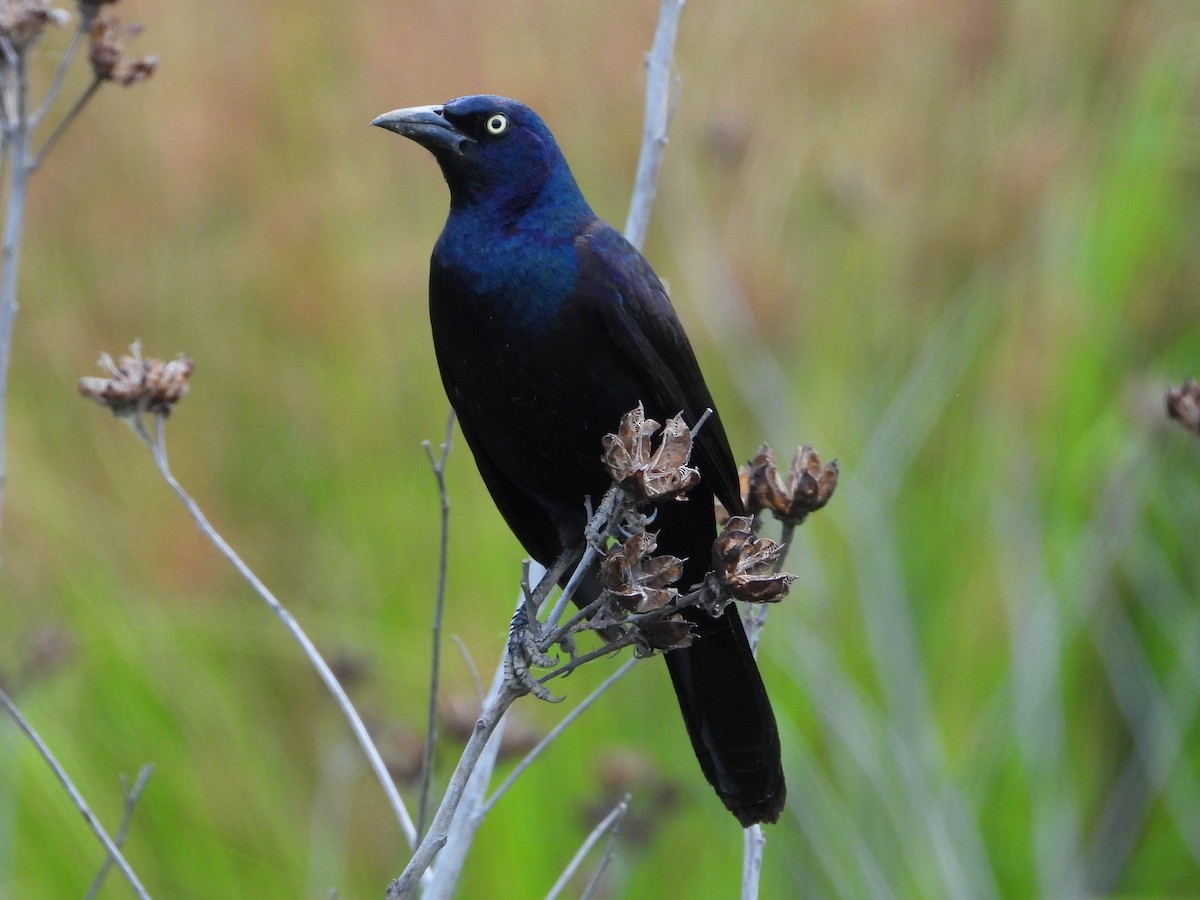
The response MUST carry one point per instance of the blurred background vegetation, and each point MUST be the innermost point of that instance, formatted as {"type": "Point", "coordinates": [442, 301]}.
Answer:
{"type": "Point", "coordinates": [954, 244]}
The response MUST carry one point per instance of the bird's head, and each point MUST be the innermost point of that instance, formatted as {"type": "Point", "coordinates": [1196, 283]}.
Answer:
{"type": "Point", "coordinates": [490, 149]}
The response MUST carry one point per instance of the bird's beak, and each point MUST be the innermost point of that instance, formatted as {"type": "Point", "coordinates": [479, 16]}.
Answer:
{"type": "Point", "coordinates": [427, 126]}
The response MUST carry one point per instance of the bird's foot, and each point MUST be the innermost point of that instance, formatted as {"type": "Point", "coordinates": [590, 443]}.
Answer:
{"type": "Point", "coordinates": [525, 652]}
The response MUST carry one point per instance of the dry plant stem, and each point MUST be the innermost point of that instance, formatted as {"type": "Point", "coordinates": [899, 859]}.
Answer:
{"type": "Point", "coordinates": [608, 514]}
{"type": "Point", "coordinates": [72, 114]}
{"type": "Point", "coordinates": [438, 465]}
{"type": "Point", "coordinates": [20, 164]}
{"type": "Point", "coordinates": [609, 851]}
{"type": "Point", "coordinates": [60, 71]}
{"type": "Point", "coordinates": [500, 698]}
{"type": "Point", "coordinates": [114, 852]}
{"type": "Point", "coordinates": [753, 844]}
{"type": "Point", "coordinates": [132, 794]}
{"type": "Point", "coordinates": [158, 449]}
{"type": "Point", "coordinates": [471, 667]}
{"type": "Point", "coordinates": [16, 141]}
{"type": "Point", "coordinates": [609, 823]}
{"type": "Point", "coordinates": [575, 623]}
{"type": "Point", "coordinates": [443, 879]}
{"type": "Point", "coordinates": [656, 122]}
{"type": "Point", "coordinates": [536, 597]}
{"type": "Point", "coordinates": [554, 732]}
{"type": "Point", "coordinates": [625, 640]}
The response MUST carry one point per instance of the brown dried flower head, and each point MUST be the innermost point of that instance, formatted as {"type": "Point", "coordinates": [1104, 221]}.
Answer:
{"type": "Point", "coordinates": [1183, 405]}
{"type": "Point", "coordinates": [655, 476]}
{"type": "Point", "coordinates": [137, 385]}
{"type": "Point", "coordinates": [108, 38]}
{"type": "Point", "coordinates": [744, 564]}
{"type": "Point", "coordinates": [807, 487]}
{"type": "Point", "coordinates": [23, 21]}
{"type": "Point", "coordinates": [635, 582]}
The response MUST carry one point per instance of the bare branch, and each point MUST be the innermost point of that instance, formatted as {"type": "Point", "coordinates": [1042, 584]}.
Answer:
{"type": "Point", "coordinates": [114, 851]}
{"type": "Point", "coordinates": [439, 473]}
{"type": "Point", "coordinates": [471, 667]}
{"type": "Point", "coordinates": [72, 114]}
{"type": "Point", "coordinates": [158, 449]}
{"type": "Point", "coordinates": [753, 844]}
{"type": "Point", "coordinates": [131, 798]}
{"type": "Point", "coordinates": [610, 824]}
{"type": "Point", "coordinates": [656, 122]}
{"type": "Point", "coordinates": [504, 691]}
{"type": "Point", "coordinates": [60, 71]}
{"type": "Point", "coordinates": [16, 147]}
{"type": "Point", "coordinates": [554, 732]}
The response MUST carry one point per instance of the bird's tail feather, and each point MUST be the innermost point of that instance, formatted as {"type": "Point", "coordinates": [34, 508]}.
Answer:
{"type": "Point", "coordinates": [729, 717]}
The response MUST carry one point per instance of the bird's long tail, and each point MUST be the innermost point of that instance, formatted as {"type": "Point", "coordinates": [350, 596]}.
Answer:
{"type": "Point", "coordinates": [729, 717]}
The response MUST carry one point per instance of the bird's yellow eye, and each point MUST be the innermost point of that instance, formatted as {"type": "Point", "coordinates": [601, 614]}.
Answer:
{"type": "Point", "coordinates": [497, 123]}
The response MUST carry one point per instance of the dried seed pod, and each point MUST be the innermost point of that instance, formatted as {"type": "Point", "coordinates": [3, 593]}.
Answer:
{"type": "Point", "coordinates": [806, 488]}
{"type": "Point", "coordinates": [654, 477]}
{"type": "Point", "coordinates": [743, 564]}
{"type": "Point", "coordinates": [636, 581]}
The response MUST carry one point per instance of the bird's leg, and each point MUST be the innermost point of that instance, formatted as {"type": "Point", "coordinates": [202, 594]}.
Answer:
{"type": "Point", "coordinates": [523, 652]}
{"type": "Point", "coordinates": [527, 638]}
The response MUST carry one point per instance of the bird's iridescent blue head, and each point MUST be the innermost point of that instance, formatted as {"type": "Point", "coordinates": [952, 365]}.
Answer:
{"type": "Point", "coordinates": [491, 149]}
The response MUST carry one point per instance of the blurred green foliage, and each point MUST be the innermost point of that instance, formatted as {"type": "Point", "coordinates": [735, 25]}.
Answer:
{"type": "Point", "coordinates": [954, 244]}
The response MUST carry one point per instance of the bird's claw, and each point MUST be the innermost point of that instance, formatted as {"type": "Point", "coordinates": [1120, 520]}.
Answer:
{"type": "Point", "coordinates": [524, 653]}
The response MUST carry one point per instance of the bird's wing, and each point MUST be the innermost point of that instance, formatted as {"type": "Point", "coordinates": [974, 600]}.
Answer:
{"type": "Point", "coordinates": [618, 283]}
{"type": "Point", "coordinates": [528, 522]}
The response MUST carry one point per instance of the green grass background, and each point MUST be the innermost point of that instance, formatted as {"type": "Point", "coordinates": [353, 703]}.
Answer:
{"type": "Point", "coordinates": [954, 244]}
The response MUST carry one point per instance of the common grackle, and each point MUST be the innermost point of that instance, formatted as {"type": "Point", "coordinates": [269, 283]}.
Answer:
{"type": "Point", "coordinates": [548, 326]}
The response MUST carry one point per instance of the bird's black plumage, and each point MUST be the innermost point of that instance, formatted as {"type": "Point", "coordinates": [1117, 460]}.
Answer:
{"type": "Point", "coordinates": [548, 326]}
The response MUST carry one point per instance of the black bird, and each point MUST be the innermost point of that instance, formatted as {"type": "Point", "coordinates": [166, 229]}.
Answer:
{"type": "Point", "coordinates": [548, 326]}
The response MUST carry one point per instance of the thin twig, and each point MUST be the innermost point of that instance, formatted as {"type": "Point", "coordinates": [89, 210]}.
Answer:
{"type": "Point", "coordinates": [625, 640]}
{"type": "Point", "coordinates": [439, 474]}
{"type": "Point", "coordinates": [158, 449]}
{"type": "Point", "coordinates": [17, 147]}
{"type": "Point", "coordinates": [60, 71]}
{"type": "Point", "coordinates": [72, 113]}
{"type": "Point", "coordinates": [131, 798]}
{"type": "Point", "coordinates": [602, 524]}
{"type": "Point", "coordinates": [471, 667]}
{"type": "Point", "coordinates": [753, 844]}
{"type": "Point", "coordinates": [554, 732]}
{"type": "Point", "coordinates": [549, 580]}
{"type": "Point", "coordinates": [609, 851]}
{"type": "Point", "coordinates": [443, 880]}
{"type": "Point", "coordinates": [656, 122]}
{"type": "Point", "coordinates": [611, 822]}
{"type": "Point", "coordinates": [114, 851]}
{"type": "Point", "coordinates": [500, 698]}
